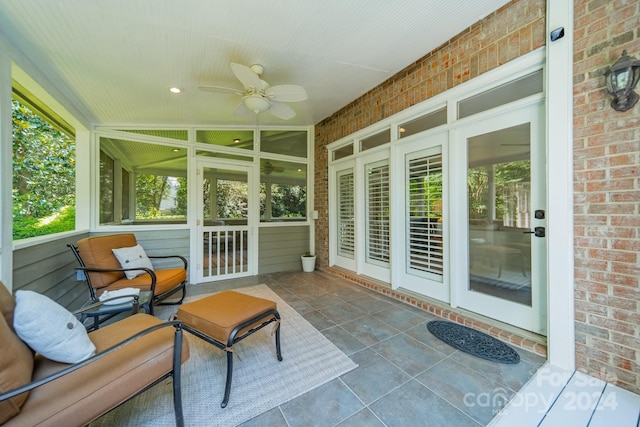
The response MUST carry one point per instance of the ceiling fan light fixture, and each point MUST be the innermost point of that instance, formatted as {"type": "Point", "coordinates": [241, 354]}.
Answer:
{"type": "Point", "coordinates": [256, 103]}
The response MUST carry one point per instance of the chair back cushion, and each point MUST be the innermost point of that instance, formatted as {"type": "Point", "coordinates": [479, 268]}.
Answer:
{"type": "Point", "coordinates": [97, 251]}
{"type": "Point", "coordinates": [16, 359]}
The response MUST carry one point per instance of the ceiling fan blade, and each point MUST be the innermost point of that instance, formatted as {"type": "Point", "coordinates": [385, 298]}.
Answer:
{"type": "Point", "coordinates": [247, 77]}
{"type": "Point", "coordinates": [242, 111]}
{"type": "Point", "coordinates": [287, 93]}
{"type": "Point", "coordinates": [281, 110]}
{"type": "Point", "coordinates": [220, 89]}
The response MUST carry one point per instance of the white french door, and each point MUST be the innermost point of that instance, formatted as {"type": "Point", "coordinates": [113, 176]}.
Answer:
{"type": "Point", "coordinates": [343, 220]}
{"type": "Point", "coordinates": [225, 244]}
{"type": "Point", "coordinates": [499, 218]}
{"type": "Point", "coordinates": [360, 220]}
{"type": "Point", "coordinates": [375, 230]}
{"type": "Point", "coordinates": [421, 254]}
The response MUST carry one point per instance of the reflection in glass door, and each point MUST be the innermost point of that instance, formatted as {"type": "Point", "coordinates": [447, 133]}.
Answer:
{"type": "Point", "coordinates": [224, 224]}
{"type": "Point", "coordinates": [499, 200]}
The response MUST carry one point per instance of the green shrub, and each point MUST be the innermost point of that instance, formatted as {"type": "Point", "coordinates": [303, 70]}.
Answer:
{"type": "Point", "coordinates": [62, 220]}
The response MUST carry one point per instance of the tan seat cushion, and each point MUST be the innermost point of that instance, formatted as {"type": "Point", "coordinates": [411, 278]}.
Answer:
{"type": "Point", "coordinates": [166, 280]}
{"type": "Point", "coordinates": [217, 315]}
{"type": "Point", "coordinates": [91, 391]}
{"type": "Point", "coordinates": [16, 365]}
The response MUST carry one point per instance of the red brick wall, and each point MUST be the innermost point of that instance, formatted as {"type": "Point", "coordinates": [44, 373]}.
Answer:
{"type": "Point", "coordinates": [512, 31]}
{"type": "Point", "coordinates": [607, 197]}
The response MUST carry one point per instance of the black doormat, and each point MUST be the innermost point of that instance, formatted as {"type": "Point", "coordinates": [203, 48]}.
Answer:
{"type": "Point", "coordinates": [473, 342]}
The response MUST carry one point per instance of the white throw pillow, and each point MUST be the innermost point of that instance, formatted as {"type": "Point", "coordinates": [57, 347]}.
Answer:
{"type": "Point", "coordinates": [133, 257]}
{"type": "Point", "coordinates": [50, 329]}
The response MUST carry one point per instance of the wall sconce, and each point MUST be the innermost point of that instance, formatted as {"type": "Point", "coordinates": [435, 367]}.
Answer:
{"type": "Point", "coordinates": [621, 79]}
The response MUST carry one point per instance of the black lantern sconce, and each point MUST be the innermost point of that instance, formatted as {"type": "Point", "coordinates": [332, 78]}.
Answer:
{"type": "Point", "coordinates": [621, 79]}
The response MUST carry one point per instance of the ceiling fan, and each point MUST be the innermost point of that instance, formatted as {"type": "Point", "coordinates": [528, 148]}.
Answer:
{"type": "Point", "coordinates": [268, 168]}
{"type": "Point", "coordinates": [258, 96]}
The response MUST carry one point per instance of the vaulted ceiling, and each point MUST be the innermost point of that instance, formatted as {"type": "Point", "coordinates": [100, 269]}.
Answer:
{"type": "Point", "coordinates": [114, 60]}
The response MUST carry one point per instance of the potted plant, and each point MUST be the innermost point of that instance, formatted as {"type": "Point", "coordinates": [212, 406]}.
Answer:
{"type": "Point", "coordinates": [308, 262]}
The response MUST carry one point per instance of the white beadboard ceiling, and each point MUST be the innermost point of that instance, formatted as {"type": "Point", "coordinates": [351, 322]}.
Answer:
{"type": "Point", "coordinates": [115, 59]}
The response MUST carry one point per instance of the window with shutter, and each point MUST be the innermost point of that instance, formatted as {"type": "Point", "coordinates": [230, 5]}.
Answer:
{"type": "Point", "coordinates": [424, 224]}
{"type": "Point", "coordinates": [377, 205]}
{"type": "Point", "coordinates": [346, 214]}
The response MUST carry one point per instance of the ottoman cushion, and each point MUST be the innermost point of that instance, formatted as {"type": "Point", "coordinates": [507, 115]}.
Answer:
{"type": "Point", "coordinates": [217, 315]}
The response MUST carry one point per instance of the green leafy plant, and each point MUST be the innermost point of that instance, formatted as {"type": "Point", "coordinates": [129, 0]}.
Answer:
{"type": "Point", "coordinates": [307, 254]}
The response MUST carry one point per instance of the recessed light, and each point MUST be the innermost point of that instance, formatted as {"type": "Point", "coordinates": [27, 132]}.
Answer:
{"type": "Point", "coordinates": [176, 150]}
{"type": "Point", "coordinates": [175, 89]}
{"type": "Point", "coordinates": [236, 141]}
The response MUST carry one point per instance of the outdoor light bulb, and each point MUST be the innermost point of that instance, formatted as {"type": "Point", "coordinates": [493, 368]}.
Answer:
{"type": "Point", "coordinates": [622, 78]}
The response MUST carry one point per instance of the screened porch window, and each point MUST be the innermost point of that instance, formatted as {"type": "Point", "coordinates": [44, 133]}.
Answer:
{"type": "Point", "coordinates": [142, 183]}
{"type": "Point", "coordinates": [283, 191]}
{"type": "Point", "coordinates": [44, 168]}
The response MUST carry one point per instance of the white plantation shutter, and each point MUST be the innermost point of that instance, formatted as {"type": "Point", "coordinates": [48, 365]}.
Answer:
{"type": "Point", "coordinates": [424, 231]}
{"type": "Point", "coordinates": [346, 214]}
{"type": "Point", "coordinates": [377, 205]}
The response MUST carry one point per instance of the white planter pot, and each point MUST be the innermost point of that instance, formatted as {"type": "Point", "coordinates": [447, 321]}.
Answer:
{"type": "Point", "coordinates": [308, 263]}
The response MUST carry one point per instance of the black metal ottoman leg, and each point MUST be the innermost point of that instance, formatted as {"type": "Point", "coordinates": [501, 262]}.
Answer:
{"type": "Point", "coordinates": [227, 387]}
{"type": "Point", "coordinates": [278, 351]}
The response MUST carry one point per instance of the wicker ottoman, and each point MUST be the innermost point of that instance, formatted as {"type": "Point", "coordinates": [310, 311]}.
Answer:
{"type": "Point", "coordinates": [226, 318]}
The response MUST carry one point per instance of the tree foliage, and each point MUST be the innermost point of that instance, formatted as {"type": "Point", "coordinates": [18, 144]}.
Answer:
{"type": "Point", "coordinates": [43, 175]}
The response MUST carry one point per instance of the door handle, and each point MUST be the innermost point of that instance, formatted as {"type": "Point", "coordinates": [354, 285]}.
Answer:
{"type": "Point", "coordinates": [538, 232]}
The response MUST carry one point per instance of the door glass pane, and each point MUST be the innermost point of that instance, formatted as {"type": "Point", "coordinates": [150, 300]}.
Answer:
{"type": "Point", "coordinates": [424, 223]}
{"type": "Point", "coordinates": [346, 215]}
{"type": "Point", "coordinates": [499, 200]}
{"type": "Point", "coordinates": [225, 212]}
{"type": "Point", "coordinates": [377, 224]}
{"type": "Point", "coordinates": [376, 140]}
{"type": "Point", "coordinates": [501, 95]}
{"type": "Point", "coordinates": [342, 152]}
{"type": "Point", "coordinates": [422, 123]}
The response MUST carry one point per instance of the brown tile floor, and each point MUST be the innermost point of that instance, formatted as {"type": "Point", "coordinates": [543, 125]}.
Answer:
{"type": "Point", "coordinates": [405, 377]}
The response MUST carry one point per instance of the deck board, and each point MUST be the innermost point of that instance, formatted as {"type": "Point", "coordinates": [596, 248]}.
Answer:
{"type": "Point", "coordinates": [556, 397]}
{"type": "Point", "coordinates": [617, 407]}
{"type": "Point", "coordinates": [576, 403]}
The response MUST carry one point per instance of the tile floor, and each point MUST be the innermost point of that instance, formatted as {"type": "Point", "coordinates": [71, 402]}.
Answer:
{"type": "Point", "coordinates": [406, 376]}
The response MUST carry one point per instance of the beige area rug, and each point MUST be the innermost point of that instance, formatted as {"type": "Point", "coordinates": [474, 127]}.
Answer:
{"type": "Point", "coordinates": [260, 382]}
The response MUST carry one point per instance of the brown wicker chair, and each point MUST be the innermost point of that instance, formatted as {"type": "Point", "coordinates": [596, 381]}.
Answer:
{"type": "Point", "coordinates": [103, 271]}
